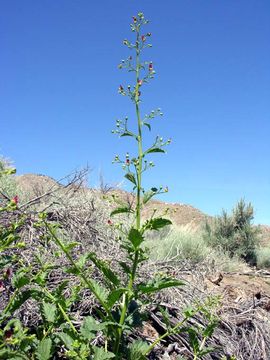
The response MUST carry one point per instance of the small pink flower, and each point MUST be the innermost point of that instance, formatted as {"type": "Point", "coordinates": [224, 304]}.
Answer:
{"type": "Point", "coordinates": [15, 199]}
{"type": "Point", "coordinates": [150, 67]}
{"type": "Point", "coordinates": [127, 161]}
{"type": "Point", "coordinates": [110, 222]}
{"type": "Point", "coordinates": [143, 38]}
{"type": "Point", "coordinates": [140, 82]}
{"type": "Point", "coordinates": [134, 19]}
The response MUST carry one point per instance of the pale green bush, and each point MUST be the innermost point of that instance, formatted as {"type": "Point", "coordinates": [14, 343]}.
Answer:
{"type": "Point", "coordinates": [179, 243]}
{"type": "Point", "coordinates": [183, 243]}
{"type": "Point", "coordinates": [263, 257]}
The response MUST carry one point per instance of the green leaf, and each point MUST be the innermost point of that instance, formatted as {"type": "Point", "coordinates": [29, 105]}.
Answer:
{"type": "Point", "coordinates": [44, 349]}
{"type": "Point", "coordinates": [66, 339]}
{"type": "Point", "coordinates": [137, 350]}
{"type": "Point", "coordinates": [20, 279]}
{"type": "Point", "coordinates": [114, 296]}
{"type": "Point", "coordinates": [71, 245]}
{"type": "Point", "coordinates": [12, 355]}
{"type": "Point", "coordinates": [193, 339]}
{"type": "Point", "coordinates": [135, 237]}
{"type": "Point", "coordinates": [154, 150]}
{"type": "Point", "coordinates": [189, 311]}
{"type": "Point", "coordinates": [207, 351]}
{"type": "Point", "coordinates": [58, 292]}
{"type": "Point", "coordinates": [156, 223]}
{"type": "Point", "coordinates": [49, 311]}
{"type": "Point", "coordinates": [105, 269]}
{"type": "Point", "coordinates": [128, 133]}
{"type": "Point", "coordinates": [101, 354]}
{"type": "Point", "coordinates": [90, 326]}
{"type": "Point", "coordinates": [82, 260]}
{"type": "Point", "coordinates": [131, 177]}
{"type": "Point", "coordinates": [101, 291]}
{"type": "Point", "coordinates": [121, 210]}
{"type": "Point", "coordinates": [208, 331]}
{"type": "Point", "coordinates": [125, 267]}
{"type": "Point", "coordinates": [148, 125]}
{"type": "Point", "coordinates": [159, 284]}
{"type": "Point", "coordinates": [148, 195]}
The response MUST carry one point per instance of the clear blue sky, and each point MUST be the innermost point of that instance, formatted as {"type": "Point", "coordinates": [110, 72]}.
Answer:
{"type": "Point", "coordinates": [59, 101]}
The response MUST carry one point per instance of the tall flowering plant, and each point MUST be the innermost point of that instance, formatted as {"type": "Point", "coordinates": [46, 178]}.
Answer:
{"type": "Point", "coordinates": [134, 167]}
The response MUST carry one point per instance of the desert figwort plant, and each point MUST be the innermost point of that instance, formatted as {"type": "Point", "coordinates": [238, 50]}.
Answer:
{"type": "Point", "coordinates": [134, 167]}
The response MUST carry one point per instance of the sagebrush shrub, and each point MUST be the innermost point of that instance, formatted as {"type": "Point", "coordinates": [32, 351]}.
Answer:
{"type": "Point", "coordinates": [234, 233]}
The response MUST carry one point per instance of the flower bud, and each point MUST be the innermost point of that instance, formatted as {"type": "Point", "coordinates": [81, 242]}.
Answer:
{"type": "Point", "coordinates": [8, 334]}
{"type": "Point", "coordinates": [143, 38]}
{"type": "Point", "coordinates": [15, 199]}
{"type": "Point", "coordinates": [110, 222]}
{"type": "Point", "coordinates": [134, 19]}
{"type": "Point", "coordinates": [140, 82]}
{"type": "Point", "coordinates": [8, 273]}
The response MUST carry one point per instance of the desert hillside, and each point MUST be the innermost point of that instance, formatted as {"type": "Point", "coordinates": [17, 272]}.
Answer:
{"type": "Point", "coordinates": [180, 214]}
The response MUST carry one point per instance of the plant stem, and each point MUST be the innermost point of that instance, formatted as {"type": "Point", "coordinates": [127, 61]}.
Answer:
{"type": "Point", "coordinates": [139, 138]}
{"type": "Point", "coordinates": [10, 302]}
{"type": "Point", "coordinates": [127, 297]}
{"type": "Point", "coordinates": [169, 332]}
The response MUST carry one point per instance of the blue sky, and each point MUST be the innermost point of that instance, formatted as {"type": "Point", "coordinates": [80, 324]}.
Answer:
{"type": "Point", "coordinates": [59, 100]}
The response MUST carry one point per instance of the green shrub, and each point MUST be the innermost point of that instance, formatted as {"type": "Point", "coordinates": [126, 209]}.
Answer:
{"type": "Point", "coordinates": [234, 233]}
{"type": "Point", "coordinates": [263, 257]}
